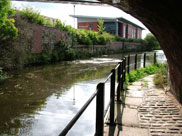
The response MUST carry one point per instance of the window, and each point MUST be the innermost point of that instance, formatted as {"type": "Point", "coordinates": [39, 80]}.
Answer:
{"type": "Point", "coordinates": [124, 31]}
{"type": "Point", "coordinates": [91, 27]}
{"type": "Point", "coordinates": [110, 27]}
{"type": "Point", "coordinates": [138, 34]}
{"type": "Point", "coordinates": [134, 34]}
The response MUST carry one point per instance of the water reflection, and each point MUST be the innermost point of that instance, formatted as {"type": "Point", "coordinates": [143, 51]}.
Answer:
{"type": "Point", "coordinates": [40, 101]}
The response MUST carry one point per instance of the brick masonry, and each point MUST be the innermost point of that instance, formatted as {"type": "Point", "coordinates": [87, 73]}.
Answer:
{"type": "Point", "coordinates": [86, 25]}
{"type": "Point", "coordinates": [111, 46]}
{"type": "Point", "coordinates": [41, 37]}
{"type": "Point", "coordinates": [160, 113]}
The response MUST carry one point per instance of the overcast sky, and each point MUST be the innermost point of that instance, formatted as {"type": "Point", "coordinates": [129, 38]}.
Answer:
{"type": "Point", "coordinates": [62, 11]}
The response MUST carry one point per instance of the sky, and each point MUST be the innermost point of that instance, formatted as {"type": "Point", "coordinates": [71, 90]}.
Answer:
{"type": "Point", "coordinates": [63, 12]}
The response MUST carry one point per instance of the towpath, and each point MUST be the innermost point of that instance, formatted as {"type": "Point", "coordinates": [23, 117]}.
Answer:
{"type": "Point", "coordinates": [146, 111]}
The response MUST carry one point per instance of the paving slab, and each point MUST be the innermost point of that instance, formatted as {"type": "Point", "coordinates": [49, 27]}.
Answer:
{"type": "Point", "coordinates": [133, 101]}
{"type": "Point", "coordinates": [134, 93]}
{"type": "Point", "coordinates": [128, 117]}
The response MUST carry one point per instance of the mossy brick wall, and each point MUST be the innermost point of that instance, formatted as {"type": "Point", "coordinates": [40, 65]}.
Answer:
{"type": "Point", "coordinates": [39, 37]}
{"type": "Point", "coordinates": [31, 38]}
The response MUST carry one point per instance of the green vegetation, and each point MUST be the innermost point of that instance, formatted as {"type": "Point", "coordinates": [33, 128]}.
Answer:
{"type": "Point", "coordinates": [142, 72]}
{"type": "Point", "coordinates": [151, 42]}
{"type": "Point", "coordinates": [59, 53]}
{"type": "Point", "coordinates": [3, 76]}
{"type": "Point", "coordinates": [101, 27]}
{"type": "Point", "coordinates": [160, 78]}
{"type": "Point", "coordinates": [120, 39]}
{"type": "Point", "coordinates": [7, 27]}
{"type": "Point", "coordinates": [33, 16]}
{"type": "Point", "coordinates": [86, 37]}
{"type": "Point", "coordinates": [79, 36]}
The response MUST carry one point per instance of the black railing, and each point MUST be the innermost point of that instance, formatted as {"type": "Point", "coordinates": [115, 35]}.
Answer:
{"type": "Point", "coordinates": [116, 86]}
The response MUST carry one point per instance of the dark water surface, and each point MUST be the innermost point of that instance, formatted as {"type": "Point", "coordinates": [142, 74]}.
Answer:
{"type": "Point", "coordinates": [40, 101]}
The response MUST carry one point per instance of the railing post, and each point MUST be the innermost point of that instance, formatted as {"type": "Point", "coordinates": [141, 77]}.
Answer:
{"type": "Point", "coordinates": [136, 56]}
{"type": "Point", "coordinates": [119, 83]}
{"type": "Point", "coordinates": [100, 110]}
{"type": "Point", "coordinates": [144, 60]}
{"type": "Point", "coordinates": [112, 96]}
{"type": "Point", "coordinates": [155, 58]}
{"type": "Point", "coordinates": [128, 63]}
{"type": "Point", "coordinates": [122, 73]}
{"type": "Point", "coordinates": [124, 68]}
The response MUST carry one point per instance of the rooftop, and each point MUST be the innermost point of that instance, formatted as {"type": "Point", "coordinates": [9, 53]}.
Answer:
{"type": "Point", "coordinates": [118, 19]}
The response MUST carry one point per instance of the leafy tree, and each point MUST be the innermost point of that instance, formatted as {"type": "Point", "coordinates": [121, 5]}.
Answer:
{"type": "Point", "coordinates": [151, 42]}
{"type": "Point", "coordinates": [101, 27]}
{"type": "Point", "coordinates": [7, 27]}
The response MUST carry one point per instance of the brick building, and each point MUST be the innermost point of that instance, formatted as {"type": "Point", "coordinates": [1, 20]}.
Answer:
{"type": "Point", "coordinates": [117, 26]}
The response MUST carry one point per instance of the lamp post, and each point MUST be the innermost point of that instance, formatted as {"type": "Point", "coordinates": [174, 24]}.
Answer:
{"type": "Point", "coordinates": [73, 24]}
{"type": "Point", "coordinates": [74, 15]}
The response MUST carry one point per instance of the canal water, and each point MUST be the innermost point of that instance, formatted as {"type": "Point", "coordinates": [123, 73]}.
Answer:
{"type": "Point", "coordinates": [40, 101]}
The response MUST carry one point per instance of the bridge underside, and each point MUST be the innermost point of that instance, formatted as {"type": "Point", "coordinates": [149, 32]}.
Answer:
{"type": "Point", "coordinates": [163, 18]}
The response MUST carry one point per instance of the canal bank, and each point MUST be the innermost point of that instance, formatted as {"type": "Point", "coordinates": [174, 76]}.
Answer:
{"type": "Point", "coordinates": [42, 100]}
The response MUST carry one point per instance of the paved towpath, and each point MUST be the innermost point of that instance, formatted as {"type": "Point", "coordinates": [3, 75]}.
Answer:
{"type": "Point", "coordinates": [146, 111]}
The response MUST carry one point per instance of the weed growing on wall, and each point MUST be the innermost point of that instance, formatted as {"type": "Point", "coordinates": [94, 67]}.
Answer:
{"type": "Point", "coordinates": [34, 16]}
{"type": "Point", "coordinates": [3, 76]}
{"type": "Point", "coordinates": [160, 78]}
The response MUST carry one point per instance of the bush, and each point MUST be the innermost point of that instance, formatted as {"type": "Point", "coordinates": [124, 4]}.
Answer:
{"type": "Point", "coordinates": [160, 78]}
{"type": "Point", "coordinates": [151, 42]}
{"type": "Point", "coordinates": [3, 76]}
{"type": "Point", "coordinates": [7, 27]}
{"type": "Point", "coordinates": [34, 16]}
{"type": "Point", "coordinates": [120, 39]}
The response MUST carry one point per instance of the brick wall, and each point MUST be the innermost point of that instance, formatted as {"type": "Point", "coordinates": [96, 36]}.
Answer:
{"type": "Point", "coordinates": [120, 30]}
{"type": "Point", "coordinates": [112, 46]}
{"type": "Point", "coordinates": [38, 37]}
{"type": "Point", "coordinates": [31, 39]}
{"type": "Point", "coordinates": [86, 25]}
{"type": "Point", "coordinates": [139, 33]}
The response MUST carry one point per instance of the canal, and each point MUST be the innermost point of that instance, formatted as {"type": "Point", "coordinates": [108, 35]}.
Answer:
{"type": "Point", "coordinates": [40, 101]}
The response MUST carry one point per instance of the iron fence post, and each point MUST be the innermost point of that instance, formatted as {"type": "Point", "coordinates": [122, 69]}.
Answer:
{"type": "Point", "coordinates": [112, 96]}
{"type": "Point", "coordinates": [100, 110]}
{"type": "Point", "coordinates": [128, 63]}
{"type": "Point", "coordinates": [124, 68]}
{"type": "Point", "coordinates": [136, 56]}
{"type": "Point", "coordinates": [119, 82]}
{"type": "Point", "coordinates": [144, 60]}
{"type": "Point", "coordinates": [155, 58]}
{"type": "Point", "coordinates": [122, 73]}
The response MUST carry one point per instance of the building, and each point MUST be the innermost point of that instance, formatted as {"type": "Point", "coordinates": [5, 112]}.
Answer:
{"type": "Point", "coordinates": [117, 26]}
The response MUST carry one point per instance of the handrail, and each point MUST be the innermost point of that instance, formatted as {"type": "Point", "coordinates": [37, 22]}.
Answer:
{"type": "Point", "coordinates": [108, 77]}
{"type": "Point", "coordinates": [115, 88]}
{"type": "Point", "coordinates": [76, 117]}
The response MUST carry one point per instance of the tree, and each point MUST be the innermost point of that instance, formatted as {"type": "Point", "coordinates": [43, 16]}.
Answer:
{"type": "Point", "coordinates": [7, 27]}
{"type": "Point", "coordinates": [151, 42]}
{"type": "Point", "coordinates": [101, 27]}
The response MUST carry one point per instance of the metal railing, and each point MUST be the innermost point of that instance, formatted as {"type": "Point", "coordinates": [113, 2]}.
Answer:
{"type": "Point", "coordinates": [116, 86]}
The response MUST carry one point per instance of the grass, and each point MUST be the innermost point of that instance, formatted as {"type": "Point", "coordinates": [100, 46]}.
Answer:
{"type": "Point", "coordinates": [148, 70]}
{"type": "Point", "coordinates": [160, 78]}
